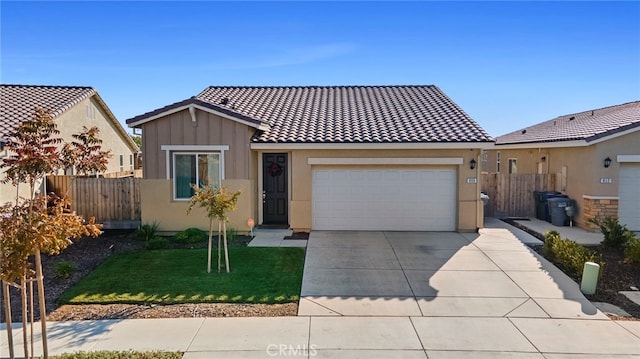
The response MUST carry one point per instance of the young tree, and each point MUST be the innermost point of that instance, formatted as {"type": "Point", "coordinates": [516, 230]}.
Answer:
{"type": "Point", "coordinates": [85, 152]}
{"type": "Point", "coordinates": [31, 226]}
{"type": "Point", "coordinates": [137, 139]}
{"type": "Point", "coordinates": [217, 202]}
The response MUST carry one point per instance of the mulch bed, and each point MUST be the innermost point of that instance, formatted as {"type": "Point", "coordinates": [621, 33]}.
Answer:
{"type": "Point", "coordinates": [298, 235]}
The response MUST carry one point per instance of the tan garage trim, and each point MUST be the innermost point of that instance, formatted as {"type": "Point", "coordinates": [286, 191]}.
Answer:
{"type": "Point", "coordinates": [386, 161]}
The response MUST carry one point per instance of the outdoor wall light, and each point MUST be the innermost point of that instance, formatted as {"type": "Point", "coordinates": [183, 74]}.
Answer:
{"type": "Point", "coordinates": [607, 162]}
{"type": "Point", "coordinates": [543, 159]}
{"type": "Point", "coordinates": [472, 164]}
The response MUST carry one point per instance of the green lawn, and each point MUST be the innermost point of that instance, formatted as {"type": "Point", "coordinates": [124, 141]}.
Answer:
{"type": "Point", "coordinates": [258, 275]}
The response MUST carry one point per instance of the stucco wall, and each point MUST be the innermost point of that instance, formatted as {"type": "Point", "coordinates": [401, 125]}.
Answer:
{"type": "Point", "coordinates": [158, 206]}
{"type": "Point", "coordinates": [72, 121]}
{"type": "Point", "coordinates": [157, 203]}
{"type": "Point", "coordinates": [469, 217]}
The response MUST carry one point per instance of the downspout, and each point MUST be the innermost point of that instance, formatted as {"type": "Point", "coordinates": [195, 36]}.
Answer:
{"type": "Point", "coordinates": [192, 112]}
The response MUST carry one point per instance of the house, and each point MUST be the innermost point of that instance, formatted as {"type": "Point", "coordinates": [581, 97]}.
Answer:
{"type": "Point", "coordinates": [72, 108]}
{"type": "Point", "coordinates": [595, 155]}
{"type": "Point", "coordinates": [314, 157]}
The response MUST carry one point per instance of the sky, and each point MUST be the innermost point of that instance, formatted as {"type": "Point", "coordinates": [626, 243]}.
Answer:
{"type": "Point", "coordinates": [507, 64]}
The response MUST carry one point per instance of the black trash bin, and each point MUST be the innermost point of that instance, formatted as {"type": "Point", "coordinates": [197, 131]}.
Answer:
{"type": "Point", "coordinates": [545, 213]}
{"type": "Point", "coordinates": [557, 210]}
{"type": "Point", "coordinates": [537, 196]}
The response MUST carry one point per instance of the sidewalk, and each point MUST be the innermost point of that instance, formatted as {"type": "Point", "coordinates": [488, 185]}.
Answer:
{"type": "Point", "coordinates": [349, 337]}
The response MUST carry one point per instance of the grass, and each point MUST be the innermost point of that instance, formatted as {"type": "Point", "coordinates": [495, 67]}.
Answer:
{"type": "Point", "coordinates": [258, 275]}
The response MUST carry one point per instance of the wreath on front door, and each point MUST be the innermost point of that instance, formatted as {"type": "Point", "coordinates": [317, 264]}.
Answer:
{"type": "Point", "coordinates": [274, 170]}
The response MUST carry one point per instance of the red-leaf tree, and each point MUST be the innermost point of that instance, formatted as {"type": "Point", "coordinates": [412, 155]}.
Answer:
{"type": "Point", "coordinates": [29, 226]}
{"type": "Point", "coordinates": [85, 152]}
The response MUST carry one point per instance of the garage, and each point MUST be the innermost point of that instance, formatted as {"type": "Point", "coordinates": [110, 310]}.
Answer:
{"type": "Point", "coordinates": [629, 196]}
{"type": "Point", "coordinates": [398, 199]}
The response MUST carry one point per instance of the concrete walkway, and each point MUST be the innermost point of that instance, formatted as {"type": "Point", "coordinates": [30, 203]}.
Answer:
{"type": "Point", "coordinates": [393, 295]}
{"type": "Point", "coordinates": [575, 234]}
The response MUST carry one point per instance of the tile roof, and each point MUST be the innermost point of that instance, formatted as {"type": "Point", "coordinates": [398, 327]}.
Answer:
{"type": "Point", "coordinates": [347, 114]}
{"type": "Point", "coordinates": [18, 102]}
{"type": "Point", "coordinates": [588, 126]}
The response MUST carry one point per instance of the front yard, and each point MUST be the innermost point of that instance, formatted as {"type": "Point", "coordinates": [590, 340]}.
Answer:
{"type": "Point", "coordinates": [115, 268]}
{"type": "Point", "coordinates": [258, 275]}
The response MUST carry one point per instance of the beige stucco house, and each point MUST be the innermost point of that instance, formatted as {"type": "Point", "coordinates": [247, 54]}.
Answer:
{"type": "Point", "coordinates": [595, 155]}
{"type": "Point", "coordinates": [316, 158]}
{"type": "Point", "coordinates": [72, 108]}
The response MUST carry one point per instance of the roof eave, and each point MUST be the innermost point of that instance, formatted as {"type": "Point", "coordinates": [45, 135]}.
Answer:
{"type": "Point", "coordinates": [370, 146]}
{"type": "Point", "coordinates": [542, 144]}
{"type": "Point", "coordinates": [203, 106]}
{"type": "Point", "coordinates": [123, 133]}
{"type": "Point", "coordinates": [609, 135]}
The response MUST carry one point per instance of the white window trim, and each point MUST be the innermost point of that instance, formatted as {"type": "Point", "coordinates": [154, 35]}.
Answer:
{"type": "Point", "coordinates": [172, 150]}
{"type": "Point", "coordinates": [509, 162]}
{"type": "Point", "coordinates": [193, 148]}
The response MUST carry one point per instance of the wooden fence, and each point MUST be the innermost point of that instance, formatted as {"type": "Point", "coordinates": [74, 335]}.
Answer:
{"type": "Point", "coordinates": [114, 202]}
{"type": "Point", "coordinates": [511, 195]}
{"type": "Point", "coordinates": [132, 173]}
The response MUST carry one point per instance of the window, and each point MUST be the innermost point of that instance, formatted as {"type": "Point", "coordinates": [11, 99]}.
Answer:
{"type": "Point", "coordinates": [91, 112]}
{"type": "Point", "coordinates": [513, 165]}
{"type": "Point", "coordinates": [131, 162]}
{"type": "Point", "coordinates": [197, 164]}
{"type": "Point", "coordinates": [121, 163]}
{"type": "Point", "coordinates": [201, 169]}
{"type": "Point", "coordinates": [484, 157]}
{"type": "Point", "coordinates": [498, 157]}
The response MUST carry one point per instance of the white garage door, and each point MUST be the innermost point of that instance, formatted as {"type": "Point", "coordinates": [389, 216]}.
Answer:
{"type": "Point", "coordinates": [384, 199]}
{"type": "Point", "coordinates": [629, 194]}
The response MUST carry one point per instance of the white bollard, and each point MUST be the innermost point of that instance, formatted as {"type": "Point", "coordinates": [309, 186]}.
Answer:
{"type": "Point", "coordinates": [590, 278]}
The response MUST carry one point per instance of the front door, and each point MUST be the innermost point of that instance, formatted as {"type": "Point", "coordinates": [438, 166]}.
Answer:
{"type": "Point", "coordinates": [274, 188]}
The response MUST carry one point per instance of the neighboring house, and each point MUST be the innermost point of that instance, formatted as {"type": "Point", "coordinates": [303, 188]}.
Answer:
{"type": "Point", "coordinates": [72, 108]}
{"type": "Point", "coordinates": [313, 157]}
{"type": "Point", "coordinates": [595, 154]}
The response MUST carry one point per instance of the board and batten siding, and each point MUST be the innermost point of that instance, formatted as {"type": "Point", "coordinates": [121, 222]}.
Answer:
{"type": "Point", "coordinates": [209, 129]}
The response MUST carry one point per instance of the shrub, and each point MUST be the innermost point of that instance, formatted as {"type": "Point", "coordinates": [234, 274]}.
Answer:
{"type": "Point", "coordinates": [147, 231]}
{"type": "Point", "coordinates": [569, 255]}
{"type": "Point", "coordinates": [232, 233]}
{"type": "Point", "coordinates": [632, 250]}
{"type": "Point", "coordinates": [191, 235]}
{"type": "Point", "coordinates": [156, 243]}
{"type": "Point", "coordinates": [615, 234]}
{"type": "Point", "coordinates": [550, 238]}
{"type": "Point", "coordinates": [65, 269]}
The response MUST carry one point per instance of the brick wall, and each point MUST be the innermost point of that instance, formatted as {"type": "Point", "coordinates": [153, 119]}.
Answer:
{"type": "Point", "coordinates": [600, 208]}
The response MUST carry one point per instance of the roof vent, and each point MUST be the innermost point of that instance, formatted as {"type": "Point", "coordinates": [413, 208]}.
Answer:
{"type": "Point", "coordinates": [224, 101]}
{"type": "Point", "coordinates": [591, 112]}
{"type": "Point", "coordinates": [572, 118]}
{"type": "Point", "coordinates": [524, 131]}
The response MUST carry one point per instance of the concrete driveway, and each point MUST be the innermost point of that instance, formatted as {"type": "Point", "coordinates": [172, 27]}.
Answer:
{"type": "Point", "coordinates": [486, 274]}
